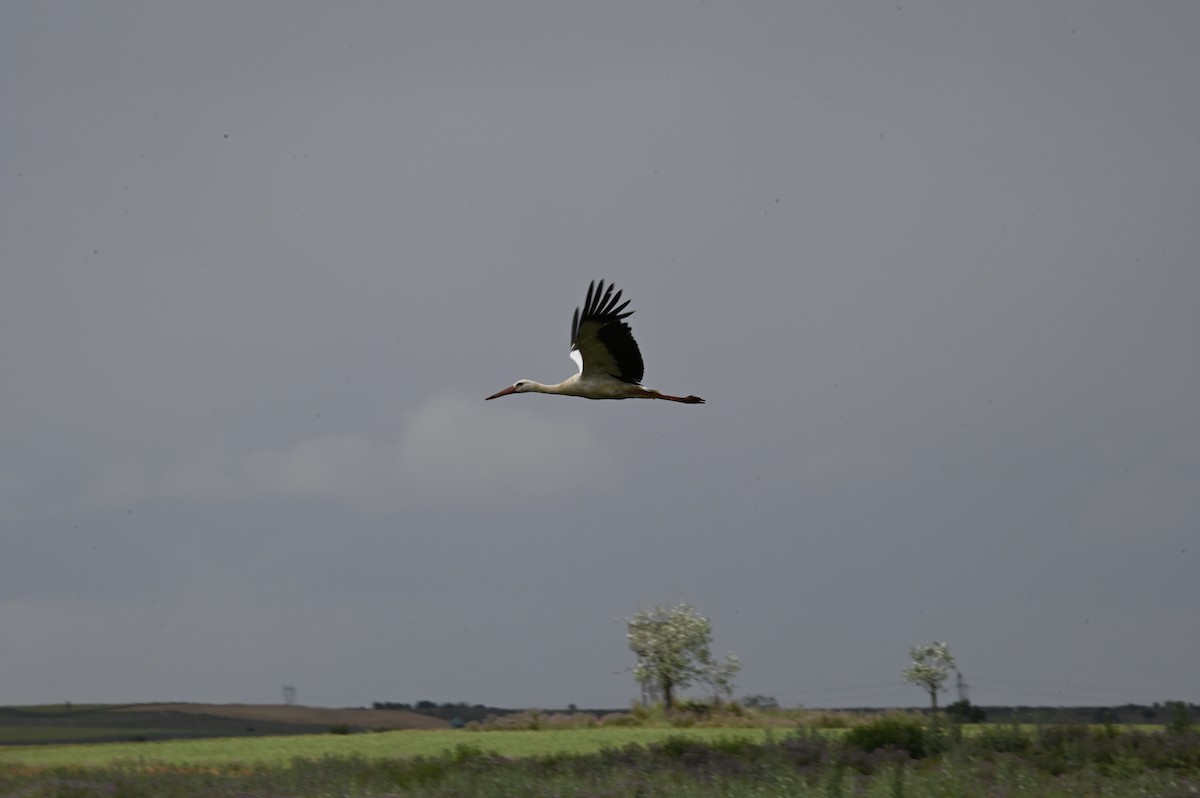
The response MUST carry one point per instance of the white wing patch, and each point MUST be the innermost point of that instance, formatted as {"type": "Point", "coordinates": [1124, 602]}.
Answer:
{"type": "Point", "coordinates": [578, 358]}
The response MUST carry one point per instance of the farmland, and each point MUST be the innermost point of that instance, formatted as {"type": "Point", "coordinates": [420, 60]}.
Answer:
{"type": "Point", "coordinates": [282, 750]}
{"type": "Point", "coordinates": [887, 755]}
{"type": "Point", "coordinates": [143, 722]}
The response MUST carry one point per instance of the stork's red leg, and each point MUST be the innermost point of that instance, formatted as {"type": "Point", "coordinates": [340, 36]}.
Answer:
{"type": "Point", "coordinates": [687, 400]}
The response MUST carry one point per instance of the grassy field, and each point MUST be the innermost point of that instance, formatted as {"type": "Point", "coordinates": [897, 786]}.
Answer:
{"type": "Point", "coordinates": [276, 751]}
{"type": "Point", "coordinates": [534, 754]}
{"type": "Point", "coordinates": [895, 757]}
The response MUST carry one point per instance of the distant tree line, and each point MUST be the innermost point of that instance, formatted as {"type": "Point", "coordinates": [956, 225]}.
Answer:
{"type": "Point", "coordinates": [448, 711]}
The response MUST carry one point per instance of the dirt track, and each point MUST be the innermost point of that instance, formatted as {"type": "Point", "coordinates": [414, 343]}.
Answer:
{"type": "Point", "coordinates": [314, 716]}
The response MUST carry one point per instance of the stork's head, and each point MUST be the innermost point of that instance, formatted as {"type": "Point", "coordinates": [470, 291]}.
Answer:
{"type": "Point", "coordinates": [520, 386]}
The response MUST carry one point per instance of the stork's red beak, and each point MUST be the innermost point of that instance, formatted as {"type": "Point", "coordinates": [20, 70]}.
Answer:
{"type": "Point", "coordinates": [505, 392]}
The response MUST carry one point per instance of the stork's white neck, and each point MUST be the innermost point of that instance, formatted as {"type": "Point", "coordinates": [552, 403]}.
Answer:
{"type": "Point", "coordinates": [567, 387]}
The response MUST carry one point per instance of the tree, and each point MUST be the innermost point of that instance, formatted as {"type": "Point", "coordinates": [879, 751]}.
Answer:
{"type": "Point", "coordinates": [931, 665]}
{"type": "Point", "coordinates": [965, 712]}
{"type": "Point", "coordinates": [671, 646]}
{"type": "Point", "coordinates": [757, 701]}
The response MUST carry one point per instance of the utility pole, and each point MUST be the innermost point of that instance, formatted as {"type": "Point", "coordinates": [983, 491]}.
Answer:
{"type": "Point", "coordinates": [289, 694]}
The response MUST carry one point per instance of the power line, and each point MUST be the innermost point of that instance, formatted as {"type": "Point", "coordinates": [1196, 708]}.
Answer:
{"type": "Point", "coordinates": [839, 689]}
{"type": "Point", "coordinates": [1004, 684]}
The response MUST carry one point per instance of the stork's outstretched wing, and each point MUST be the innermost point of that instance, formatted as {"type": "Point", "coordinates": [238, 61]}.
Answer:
{"type": "Point", "coordinates": [601, 340]}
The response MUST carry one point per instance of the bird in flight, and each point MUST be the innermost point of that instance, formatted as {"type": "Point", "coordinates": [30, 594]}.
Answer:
{"type": "Point", "coordinates": [610, 364]}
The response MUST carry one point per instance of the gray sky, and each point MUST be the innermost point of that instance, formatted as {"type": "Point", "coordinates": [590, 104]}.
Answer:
{"type": "Point", "coordinates": [933, 266]}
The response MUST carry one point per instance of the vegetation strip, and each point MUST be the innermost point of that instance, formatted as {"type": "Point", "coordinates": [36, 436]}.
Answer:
{"type": "Point", "coordinates": [890, 756]}
{"type": "Point", "coordinates": [283, 750]}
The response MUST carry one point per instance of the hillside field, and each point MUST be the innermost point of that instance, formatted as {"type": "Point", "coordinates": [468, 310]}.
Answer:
{"type": "Point", "coordinates": [57, 723]}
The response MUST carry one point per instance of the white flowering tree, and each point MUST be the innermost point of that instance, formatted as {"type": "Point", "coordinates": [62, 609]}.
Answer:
{"type": "Point", "coordinates": [931, 666]}
{"type": "Point", "coordinates": [671, 646]}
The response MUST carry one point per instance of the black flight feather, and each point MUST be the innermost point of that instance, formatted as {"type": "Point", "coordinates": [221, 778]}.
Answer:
{"type": "Point", "coordinates": [606, 343]}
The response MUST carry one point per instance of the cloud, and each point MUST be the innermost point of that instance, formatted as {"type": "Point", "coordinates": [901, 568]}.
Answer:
{"type": "Point", "coordinates": [330, 467]}
{"type": "Point", "coordinates": [450, 448]}
{"type": "Point", "coordinates": [456, 446]}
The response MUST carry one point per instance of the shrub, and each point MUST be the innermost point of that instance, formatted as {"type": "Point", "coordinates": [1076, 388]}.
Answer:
{"type": "Point", "coordinates": [1179, 718]}
{"type": "Point", "coordinates": [682, 720]}
{"type": "Point", "coordinates": [890, 731]}
{"type": "Point", "coordinates": [826, 719]}
{"type": "Point", "coordinates": [693, 706]}
{"type": "Point", "coordinates": [535, 720]}
{"type": "Point", "coordinates": [805, 749]}
{"type": "Point", "coordinates": [965, 712]}
{"type": "Point", "coordinates": [619, 719]}
{"type": "Point", "coordinates": [1003, 739]}
{"type": "Point", "coordinates": [1061, 747]}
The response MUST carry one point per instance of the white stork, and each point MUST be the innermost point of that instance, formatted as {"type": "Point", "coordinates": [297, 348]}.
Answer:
{"type": "Point", "coordinates": [610, 364]}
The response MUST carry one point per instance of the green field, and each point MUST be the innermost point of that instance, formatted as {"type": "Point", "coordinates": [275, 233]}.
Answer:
{"type": "Point", "coordinates": [275, 751]}
{"type": "Point", "coordinates": [194, 751]}
{"type": "Point", "coordinates": [891, 756]}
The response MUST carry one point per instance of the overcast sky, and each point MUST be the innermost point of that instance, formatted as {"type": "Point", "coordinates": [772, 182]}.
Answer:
{"type": "Point", "coordinates": [934, 266]}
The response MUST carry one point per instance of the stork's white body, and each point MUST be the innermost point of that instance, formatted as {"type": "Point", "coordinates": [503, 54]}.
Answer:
{"type": "Point", "coordinates": [595, 387]}
{"type": "Point", "coordinates": [610, 363]}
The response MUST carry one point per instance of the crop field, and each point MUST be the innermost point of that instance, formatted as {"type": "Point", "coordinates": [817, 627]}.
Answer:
{"type": "Point", "coordinates": [69, 734]}
{"type": "Point", "coordinates": [890, 756]}
{"type": "Point", "coordinates": [141, 722]}
{"type": "Point", "coordinates": [277, 751]}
